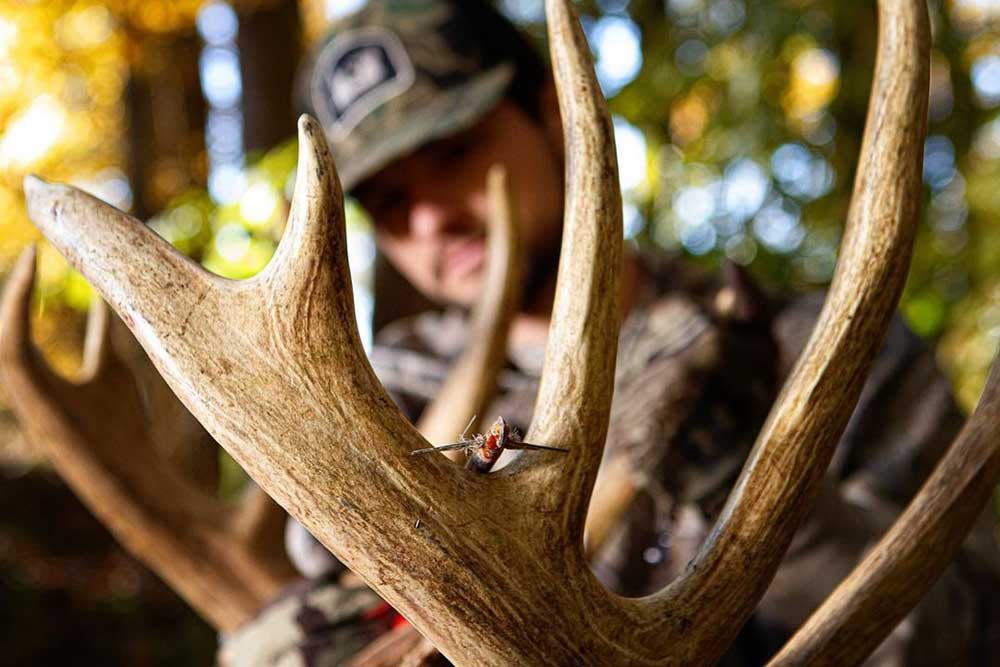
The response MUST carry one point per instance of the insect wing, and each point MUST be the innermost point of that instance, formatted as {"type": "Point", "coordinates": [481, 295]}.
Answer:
{"type": "Point", "coordinates": [526, 445]}
{"type": "Point", "coordinates": [441, 448]}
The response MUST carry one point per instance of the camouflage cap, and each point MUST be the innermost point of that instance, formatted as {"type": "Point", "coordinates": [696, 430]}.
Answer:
{"type": "Point", "coordinates": [396, 75]}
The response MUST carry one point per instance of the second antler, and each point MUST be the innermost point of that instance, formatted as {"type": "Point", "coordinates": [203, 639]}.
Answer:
{"type": "Point", "coordinates": [139, 462]}
{"type": "Point", "coordinates": [491, 568]}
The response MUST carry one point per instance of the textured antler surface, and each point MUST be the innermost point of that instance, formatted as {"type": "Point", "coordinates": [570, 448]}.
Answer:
{"type": "Point", "coordinates": [574, 398]}
{"type": "Point", "coordinates": [97, 434]}
{"type": "Point", "coordinates": [274, 368]}
{"type": "Point", "coordinates": [173, 431]}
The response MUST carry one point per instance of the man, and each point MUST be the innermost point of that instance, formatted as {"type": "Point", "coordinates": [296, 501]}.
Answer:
{"type": "Point", "coordinates": [419, 99]}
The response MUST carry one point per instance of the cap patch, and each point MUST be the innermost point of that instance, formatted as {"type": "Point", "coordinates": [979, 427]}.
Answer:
{"type": "Point", "coordinates": [354, 74]}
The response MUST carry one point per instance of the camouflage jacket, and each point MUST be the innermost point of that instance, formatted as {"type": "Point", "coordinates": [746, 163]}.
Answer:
{"type": "Point", "coordinates": [693, 386]}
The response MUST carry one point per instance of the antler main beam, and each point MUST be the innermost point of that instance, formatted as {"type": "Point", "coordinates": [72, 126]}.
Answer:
{"type": "Point", "coordinates": [96, 434]}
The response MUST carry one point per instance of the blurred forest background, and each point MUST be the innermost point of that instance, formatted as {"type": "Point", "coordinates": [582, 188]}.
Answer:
{"type": "Point", "coordinates": [738, 124]}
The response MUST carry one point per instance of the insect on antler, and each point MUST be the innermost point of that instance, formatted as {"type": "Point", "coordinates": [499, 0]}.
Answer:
{"type": "Point", "coordinates": [98, 433]}
{"type": "Point", "coordinates": [273, 367]}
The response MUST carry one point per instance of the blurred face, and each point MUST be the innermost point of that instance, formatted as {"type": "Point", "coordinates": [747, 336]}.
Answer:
{"type": "Point", "coordinates": [430, 208]}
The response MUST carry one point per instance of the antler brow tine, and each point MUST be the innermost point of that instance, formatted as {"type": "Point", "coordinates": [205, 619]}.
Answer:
{"type": "Point", "coordinates": [472, 379]}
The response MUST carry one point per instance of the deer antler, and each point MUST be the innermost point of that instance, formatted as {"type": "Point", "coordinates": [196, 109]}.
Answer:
{"type": "Point", "coordinates": [472, 379]}
{"type": "Point", "coordinates": [906, 562]}
{"type": "Point", "coordinates": [90, 431]}
{"type": "Point", "coordinates": [273, 367]}
{"type": "Point", "coordinates": [774, 491]}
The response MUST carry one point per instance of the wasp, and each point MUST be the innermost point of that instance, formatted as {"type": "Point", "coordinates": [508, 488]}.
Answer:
{"type": "Point", "coordinates": [483, 449]}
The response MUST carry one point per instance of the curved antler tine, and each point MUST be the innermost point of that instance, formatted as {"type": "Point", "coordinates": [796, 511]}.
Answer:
{"type": "Point", "coordinates": [150, 510]}
{"type": "Point", "coordinates": [15, 312]}
{"type": "Point", "coordinates": [173, 430]}
{"type": "Point", "coordinates": [97, 344]}
{"type": "Point", "coordinates": [20, 362]}
{"type": "Point", "coordinates": [722, 585]}
{"type": "Point", "coordinates": [152, 285]}
{"type": "Point", "coordinates": [315, 235]}
{"type": "Point", "coordinates": [614, 493]}
{"type": "Point", "coordinates": [574, 399]}
{"type": "Point", "coordinates": [472, 380]}
{"type": "Point", "coordinates": [908, 560]}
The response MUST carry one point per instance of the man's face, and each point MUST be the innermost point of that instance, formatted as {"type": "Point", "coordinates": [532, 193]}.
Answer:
{"type": "Point", "coordinates": [430, 208]}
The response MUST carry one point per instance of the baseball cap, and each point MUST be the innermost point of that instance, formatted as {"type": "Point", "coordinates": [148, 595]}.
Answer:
{"type": "Point", "coordinates": [400, 73]}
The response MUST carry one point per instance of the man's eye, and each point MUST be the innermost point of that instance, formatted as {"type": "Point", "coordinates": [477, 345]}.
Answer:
{"type": "Point", "coordinates": [452, 152]}
{"type": "Point", "coordinates": [388, 210]}
{"type": "Point", "coordinates": [383, 201]}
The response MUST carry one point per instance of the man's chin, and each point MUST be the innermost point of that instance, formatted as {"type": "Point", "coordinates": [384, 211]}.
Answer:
{"type": "Point", "coordinates": [463, 293]}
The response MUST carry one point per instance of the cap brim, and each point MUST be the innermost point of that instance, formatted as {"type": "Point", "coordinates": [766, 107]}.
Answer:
{"type": "Point", "coordinates": [455, 110]}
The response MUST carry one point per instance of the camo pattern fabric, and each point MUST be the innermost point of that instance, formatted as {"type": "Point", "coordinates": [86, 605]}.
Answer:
{"type": "Point", "coordinates": [312, 624]}
{"type": "Point", "coordinates": [396, 75]}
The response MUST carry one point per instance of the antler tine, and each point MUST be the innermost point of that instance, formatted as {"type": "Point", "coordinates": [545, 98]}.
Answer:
{"type": "Point", "coordinates": [906, 562]}
{"type": "Point", "coordinates": [315, 236]}
{"type": "Point", "coordinates": [719, 590]}
{"type": "Point", "coordinates": [97, 344]}
{"type": "Point", "coordinates": [150, 510]}
{"type": "Point", "coordinates": [259, 524]}
{"type": "Point", "coordinates": [154, 288]}
{"type": "Point", "coordinates": [92, 234]}
{"type": "Point", "coordinates": [15, 313]}
{"type": "Point", "coordinates": [173, 430]}
{"type": "Point", "coordinates": [472, 380]}
{"type": "Point", "coordinates": [574, 399]}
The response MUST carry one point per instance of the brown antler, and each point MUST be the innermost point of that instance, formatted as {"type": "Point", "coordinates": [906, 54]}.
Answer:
{"type": "Point", "coordinates": [723, 584]}
{"type": "Point", "coordinates": [273, 367]}
{"type": "Point", "coordinates": [97, 435]}
{"type": "Point", "coordinates": [902, 567]}
{"type": "Point", "coordinates": [471, 381]}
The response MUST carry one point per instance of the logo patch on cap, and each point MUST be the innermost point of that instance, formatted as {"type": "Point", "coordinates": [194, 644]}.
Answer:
{"type": "Point", "coordinates": [354, 74]}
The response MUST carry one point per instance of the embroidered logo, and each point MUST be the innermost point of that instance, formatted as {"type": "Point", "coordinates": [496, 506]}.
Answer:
{"type": "Point", "coordinates": [356, 73]}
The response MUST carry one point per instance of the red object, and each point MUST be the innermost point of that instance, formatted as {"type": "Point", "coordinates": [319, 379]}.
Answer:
{"type": "Point", "coordinates": [387, 613]}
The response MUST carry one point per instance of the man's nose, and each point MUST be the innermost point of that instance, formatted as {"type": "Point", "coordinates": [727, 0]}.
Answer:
{"type": "Point", "coordinates": [429, 219]}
